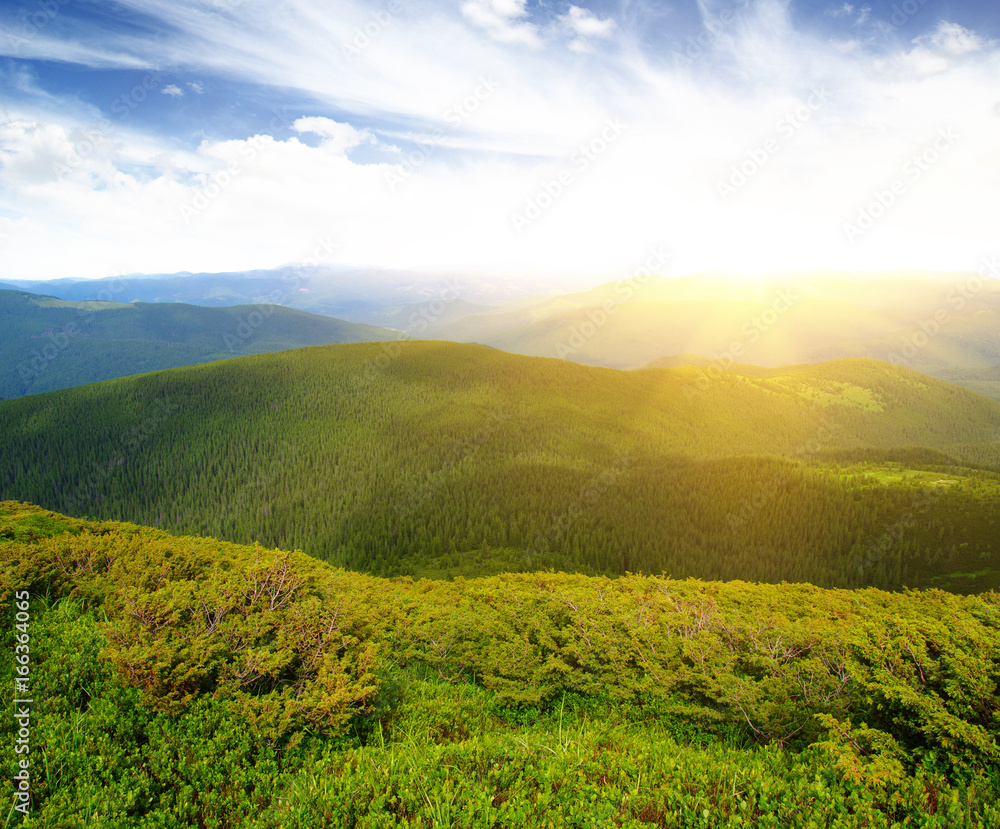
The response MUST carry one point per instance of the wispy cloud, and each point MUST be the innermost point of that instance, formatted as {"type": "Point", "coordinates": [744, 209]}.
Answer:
{"type": "Point", "coordinates": [953, 39]}
{"type": "Point", "coordinates": [337, 137]}
{"type": "Point", "coordinates": [584, 25]}
{"type": "Point", "coordinates": [344, 119]}
{"type": "Point", "coordinates": [859, 15]}
{"type": "Point", "coordinates": [503, 20]}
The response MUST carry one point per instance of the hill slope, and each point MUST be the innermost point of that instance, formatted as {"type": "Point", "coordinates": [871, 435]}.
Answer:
{"type": "Point", "coordinates": [940, 324]}
{"type": "Point", "coordinates": [430, 457]}
{"type": "Point", "coordinates": [181, 682]}
{"type": "Point", "coordinates": [48, 343]}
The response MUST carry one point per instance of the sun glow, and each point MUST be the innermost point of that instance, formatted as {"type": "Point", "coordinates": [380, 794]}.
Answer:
{"type": "Point", "coordinates": [464, 144]}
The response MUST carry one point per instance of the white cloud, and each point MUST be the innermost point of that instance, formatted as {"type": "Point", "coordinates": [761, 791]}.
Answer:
{"type": "Point", "coordinates": [340, 138]}
{"type": "Point", "coordinates": [29, 152]}
{"type": "Point", "coordinates": [845, 46]}
{"type": "Point", "coordinates": [503, 20]}
{"type": "Point", "coordinates": [945, 47]}
{"type": "Point", "coordinates": [583, 24]}
{"type": "Point", "coordinates": [173, 91]}
{"type": "Point", "coordinates": [953, 39]}
{"type": "Point", "coordinates": [197, 87]}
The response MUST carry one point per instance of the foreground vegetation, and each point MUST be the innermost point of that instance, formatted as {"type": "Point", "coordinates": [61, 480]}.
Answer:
{"type": "Point", "coordinates": [439, 459]}
{"type": "Point", "coordinates": [183, 682]}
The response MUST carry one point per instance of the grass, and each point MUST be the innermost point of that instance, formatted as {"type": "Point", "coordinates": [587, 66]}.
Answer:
{"type": "Point", "coordinates": [946, 578]}
{"type": "Point", "coordinates": [471, 564]}
{"type": "Point", "coordinates": [893, 474]}
{"type": "Point", "coordinates": [833, 393]}
{"type": "Point", "coordinates": [452, 758]}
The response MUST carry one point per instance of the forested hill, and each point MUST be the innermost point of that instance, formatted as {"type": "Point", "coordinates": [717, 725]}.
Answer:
{"type": "Point", "coordinates": [428, 457]}
{"type": "Point", "coordinates": [48, 343]}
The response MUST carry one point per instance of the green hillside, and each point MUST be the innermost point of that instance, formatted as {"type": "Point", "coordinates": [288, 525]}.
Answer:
{"type": "Point", "coordinates": [48, 343]}
{"type": "Point", "coordinates": [179, 682]}
{"type": "Point", "coordinates": [443, 459]}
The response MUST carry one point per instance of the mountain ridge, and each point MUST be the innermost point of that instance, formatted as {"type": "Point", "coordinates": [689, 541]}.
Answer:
{"type": "Point", "coordinates": [48, 343]}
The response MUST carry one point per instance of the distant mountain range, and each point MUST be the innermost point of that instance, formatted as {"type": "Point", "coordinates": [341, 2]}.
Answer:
{"type": "Point", "coordinates": [943, 324]}
{"type": "Point", "coordinates": [395, 299]}
{"type": "Point", "coordinates": [48, 343]}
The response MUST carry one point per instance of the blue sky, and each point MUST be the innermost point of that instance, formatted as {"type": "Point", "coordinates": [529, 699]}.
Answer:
{"type": "Point", "coordinates": [497, 136]}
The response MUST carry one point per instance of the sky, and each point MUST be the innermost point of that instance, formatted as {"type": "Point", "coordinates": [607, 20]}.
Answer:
{"type": "Point", "coordinates": [575, 142]}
